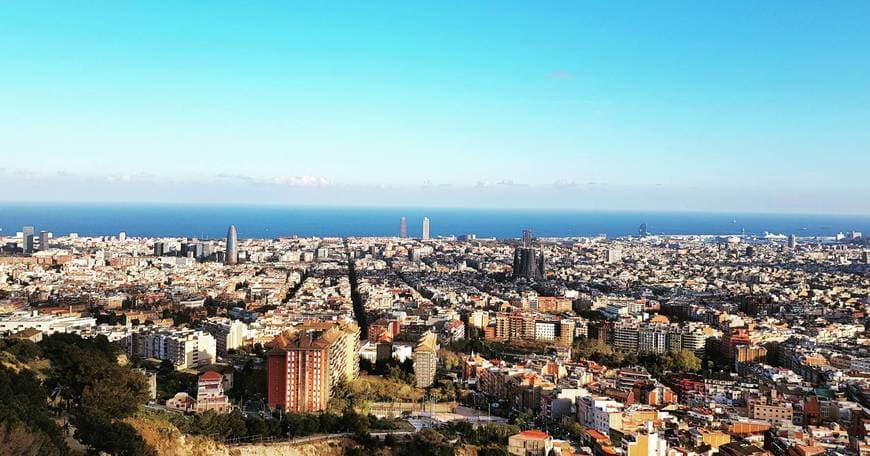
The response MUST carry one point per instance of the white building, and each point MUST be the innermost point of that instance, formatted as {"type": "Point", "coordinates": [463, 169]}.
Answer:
{"type": "Point", "coordinates": [599, 413]}
{"type": "Point", "coordinates": [228, 334]}
{"type": "Point", "coordinates": [47, 324]}
{"type": "Point", "coordinates": [210, 393]}
{"type": "Point", "coordinates": [545, 331]}
{"type": "Point", "coordinates": [184, 348]}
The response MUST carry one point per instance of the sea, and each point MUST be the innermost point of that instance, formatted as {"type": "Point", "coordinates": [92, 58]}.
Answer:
{"type": "Point", "coordinates": [206, 221]}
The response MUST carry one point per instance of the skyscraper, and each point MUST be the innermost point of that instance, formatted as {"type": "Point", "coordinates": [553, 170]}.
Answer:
{"type": "Point", "coordinates": [425, 228]}
{"type": "Point", "coordinates": [792, 241]}
{"type": "Point", "coordinates": [403, 227]}
{"type": "Point", "coordinates": [232, 256]}
{"type": "Point", "coordinates": [528, 260]}
{"type": "Point", "coordinates": [642, 230]}
{"type": "Point", "coordinates": [43, 241]}
{"type": "Point", "coordinates": [27, 233]}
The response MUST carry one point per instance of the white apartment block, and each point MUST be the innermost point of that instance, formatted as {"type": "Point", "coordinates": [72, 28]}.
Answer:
{"type": "Point", "coordinates": [599, 413]}
{"type": "Point", "coordinates": [545, 331]}
{"type": "Point", "coordinates": [228, 334]}
{"type": "Point", "coordinates": [184, 348]}
{"type": "Point", "coordinates": [47, 324]}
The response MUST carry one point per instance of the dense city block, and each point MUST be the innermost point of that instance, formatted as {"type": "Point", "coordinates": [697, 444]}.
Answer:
{"type": "Point", "coordinates": [645, 345]}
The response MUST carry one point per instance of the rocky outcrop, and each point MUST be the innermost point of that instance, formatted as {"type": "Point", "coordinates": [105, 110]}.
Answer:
{"type": "Point", "coordinates": [167, 440]}
{"type": "Point", "coordinates": [326, 447]}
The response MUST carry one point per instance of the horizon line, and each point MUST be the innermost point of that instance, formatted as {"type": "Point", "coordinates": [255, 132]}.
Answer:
{"type": "Point", "coordinates": [432, 207]}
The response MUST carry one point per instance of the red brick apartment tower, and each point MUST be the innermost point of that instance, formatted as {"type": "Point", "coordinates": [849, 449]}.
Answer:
{"type": "Point", "coordinates": [299, 374]}
{"type": "Point", "coordinates": [303, 368]}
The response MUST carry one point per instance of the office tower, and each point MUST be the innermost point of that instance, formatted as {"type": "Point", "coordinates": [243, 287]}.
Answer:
{"type": "Point", "coordinates": [425, 228]}
{"type": "Point", "coordinates": [232, 256]}
{"type": "Point", "coordinates": [403, 227]}
{"type": "Point", "coordinates": [792, 241]}
{"type": "Point", "coordinates": [528, 260]}
{"type": "Point", "coordinates": [43, 241]}
{"type": "Point", "coordinates": [426, 359]}
{"type": "Point", "coordinates": [158, 249]}
{"type": "Point", "coordinates": [122, 236]}
{"type": "Point", "coordinates": [185, 249]}
{"type": "Point", "coordinates": [27, 234]}
{"type": "Point", "coordinates": [642, 231]}
{"type": "Point", "coordinates": [304, 367]}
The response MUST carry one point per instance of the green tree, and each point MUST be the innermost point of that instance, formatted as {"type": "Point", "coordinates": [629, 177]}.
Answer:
{"type": "Point", "coordinates": [492, 451]}
{"type": "Point", "coordinates": [684, 361]}
{"type": "Point", "coordinates": [524, 420]}
{"type": "Point", "coordinates": [26, 424]}
{"type": "Point", "coordinates": [576, 430]}
{"type": "Point", "coordinates": [24, 350]}
{"type": "Point", "coordinates": [427, 442]}
{"type": "Point", "coordinates": [101, 392]}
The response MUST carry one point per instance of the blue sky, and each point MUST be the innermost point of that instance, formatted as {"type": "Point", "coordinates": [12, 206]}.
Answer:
{"type": "Point", "coordinates": [752, 106]}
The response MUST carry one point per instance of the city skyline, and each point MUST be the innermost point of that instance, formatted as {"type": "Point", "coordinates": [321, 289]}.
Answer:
{"type": "Point", "coordinates": [678, 107]}
{"type": "Point", "coordinates": [413, 229]}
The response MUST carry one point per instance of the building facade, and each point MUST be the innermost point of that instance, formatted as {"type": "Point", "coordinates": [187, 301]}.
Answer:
{"type": "Point", "coordinates": [304, 367]}
{"type": "Point", "coordinates": [426, 359]}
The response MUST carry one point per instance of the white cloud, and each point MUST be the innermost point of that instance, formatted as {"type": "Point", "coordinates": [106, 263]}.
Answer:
{"type": "Point", "coordinates": [281, 181]}
{"type": "Point", "coordinates": [301, 181]}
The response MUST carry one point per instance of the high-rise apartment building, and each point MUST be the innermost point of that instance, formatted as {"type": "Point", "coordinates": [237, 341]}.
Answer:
{"type": "Point", "coordinates": [425, 228]}
{"type": "Point", "coordinates": [228, 334]}
{"type": "Point", "coordinates": [652, 339]}
{"type": "Point", "coordinates": [304, 367]}
{"type": "Point", "coordinates": [426, 359]}
{"type": "Point", "coordinates": [478, 319]}
{"type": "Point", "coordinates": [184, 348]}
{"type": "Point", "coordinates": [403, 227]}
